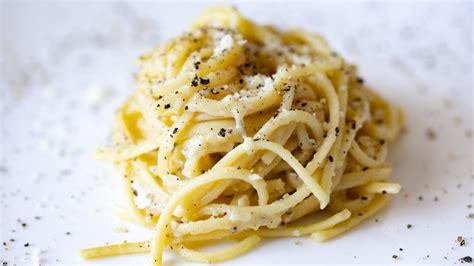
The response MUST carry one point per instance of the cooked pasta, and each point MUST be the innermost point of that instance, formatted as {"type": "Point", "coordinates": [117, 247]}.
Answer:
{"type": "Point", "coordinates": [237, 131]}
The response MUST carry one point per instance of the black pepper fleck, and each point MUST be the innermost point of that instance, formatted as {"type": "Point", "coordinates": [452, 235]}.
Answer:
{"type": "Point", "coordinates": [204, 81]}
{"type": "Point", "coordinates": [195, 81]}
{"type": "Point", "coordinates": [221, 132]}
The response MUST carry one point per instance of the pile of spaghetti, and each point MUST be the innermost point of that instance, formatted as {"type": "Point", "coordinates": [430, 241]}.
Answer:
{"type": "Point", "coordinates": [238, 130]}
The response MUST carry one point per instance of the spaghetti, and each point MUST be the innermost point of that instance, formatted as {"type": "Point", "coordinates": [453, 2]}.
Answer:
{"type": "Point", "coordinates": [238, 130]}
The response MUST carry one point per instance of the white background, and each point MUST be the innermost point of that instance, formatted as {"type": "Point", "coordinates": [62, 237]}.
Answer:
{"type": "Point", "coordinates": [66, 67]}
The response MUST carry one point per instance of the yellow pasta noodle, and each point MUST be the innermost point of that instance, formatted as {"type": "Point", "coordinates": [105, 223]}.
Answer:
{"type": "Point", "coordinates": [237, 131]}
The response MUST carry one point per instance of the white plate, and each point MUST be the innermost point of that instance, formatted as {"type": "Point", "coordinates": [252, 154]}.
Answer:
{"type": "Point", "coordinates": [66, 67]}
